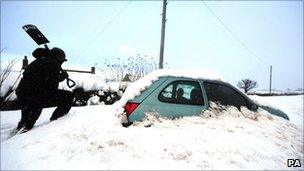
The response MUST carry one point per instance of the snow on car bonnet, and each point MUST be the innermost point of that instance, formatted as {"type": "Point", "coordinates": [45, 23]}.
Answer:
{"type": "Point", "coordinates": [143, 83]}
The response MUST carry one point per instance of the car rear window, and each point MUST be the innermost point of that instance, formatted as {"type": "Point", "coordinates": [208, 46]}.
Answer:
{"type": "Point", "coordinates": [182, 92]}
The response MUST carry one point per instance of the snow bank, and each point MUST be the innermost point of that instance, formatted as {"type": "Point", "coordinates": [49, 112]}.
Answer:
{"type": "Point", "coordinates": [291, 105]}
{"type": "Point", "coordinates": [92, 138]}
{"type": "Point", "coordinates": [277, 92]}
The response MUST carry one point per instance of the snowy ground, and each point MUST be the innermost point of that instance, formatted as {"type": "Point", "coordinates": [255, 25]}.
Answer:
{"type": "Point", "coordinates": [92, 138]}
{"type": "Point", "coordinates": [292, 105]}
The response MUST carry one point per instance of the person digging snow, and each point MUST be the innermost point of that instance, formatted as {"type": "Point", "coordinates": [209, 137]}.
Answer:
{"type": "Point", "coordinates": [38, 88]}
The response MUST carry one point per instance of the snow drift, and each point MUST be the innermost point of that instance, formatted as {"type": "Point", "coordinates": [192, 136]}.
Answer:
{"type": "Point", "coordinates": [92, 138]}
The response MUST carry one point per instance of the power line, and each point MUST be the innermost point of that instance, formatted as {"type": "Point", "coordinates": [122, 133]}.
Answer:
{"type": "Point", "coordinates": [103, 30]}
{"type": "Point", "coordinates": [233, 34]}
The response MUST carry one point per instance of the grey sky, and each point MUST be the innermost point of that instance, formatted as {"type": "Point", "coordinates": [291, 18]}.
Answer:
{"type": "Point", "coordinates": [272, 30]}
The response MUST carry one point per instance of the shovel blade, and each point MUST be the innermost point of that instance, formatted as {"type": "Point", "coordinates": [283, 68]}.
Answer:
{"type": "Point", "coordinates": [35, 34]}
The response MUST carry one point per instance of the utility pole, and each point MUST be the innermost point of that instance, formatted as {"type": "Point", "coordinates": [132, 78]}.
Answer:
{"type": "Point", "coordinates": [270, 79]}
{"type": "Point", "coordinates": [162, 39]}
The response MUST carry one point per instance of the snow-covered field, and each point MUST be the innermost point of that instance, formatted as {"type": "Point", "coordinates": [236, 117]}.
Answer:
{"type": "Point", "coordinates": [92, 137]}
{"type": "Point", "coordinates": [292, 105]}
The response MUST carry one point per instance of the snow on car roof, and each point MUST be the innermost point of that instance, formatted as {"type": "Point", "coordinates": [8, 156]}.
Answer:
{"type": "Point", "coordinates": [195, 74]}
{"type": "Point", "coordinates": [143, 83]}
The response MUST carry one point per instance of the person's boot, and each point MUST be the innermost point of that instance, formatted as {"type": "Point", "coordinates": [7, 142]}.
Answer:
{"type": "Point", "coordinates": [20, 125]}
{"type": "Point", "coordinates": [21, 128]}
{"type": "Point", "coordinates": [25, 129]}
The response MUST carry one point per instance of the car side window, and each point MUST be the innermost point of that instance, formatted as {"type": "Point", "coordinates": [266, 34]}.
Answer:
{"type": "Point", "coordinates": [224, 94]}
{"type": "Point", "coordinates": [182, 92]}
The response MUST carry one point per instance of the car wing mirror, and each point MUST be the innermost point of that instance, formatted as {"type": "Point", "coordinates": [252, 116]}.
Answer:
{"type": "Point", "coordinates": [252, 105]}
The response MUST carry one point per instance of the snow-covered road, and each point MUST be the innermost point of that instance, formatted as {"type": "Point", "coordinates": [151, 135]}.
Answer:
{"type": "Point", "coordinates": [92, 138]}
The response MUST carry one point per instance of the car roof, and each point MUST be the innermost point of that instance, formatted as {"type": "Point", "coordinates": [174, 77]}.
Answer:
{"type": "Point", "coordinates": [203, 79]}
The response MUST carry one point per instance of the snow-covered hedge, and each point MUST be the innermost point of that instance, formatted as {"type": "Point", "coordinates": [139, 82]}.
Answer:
{"type": "Point", "coordinates": [100, 97]}
{"type": "Point", "coordinates": [90, 89]}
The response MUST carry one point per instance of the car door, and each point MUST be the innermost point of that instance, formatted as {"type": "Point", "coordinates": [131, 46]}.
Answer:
{"type": "Point", "coordinates": [178, 97]}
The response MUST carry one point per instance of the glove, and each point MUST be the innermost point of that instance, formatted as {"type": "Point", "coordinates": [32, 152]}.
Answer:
{"type": "Point", "coordinates": [64, 74]}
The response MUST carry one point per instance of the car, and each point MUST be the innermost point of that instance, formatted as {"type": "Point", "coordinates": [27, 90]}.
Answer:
{"type": "Point", "coordinates": [178, 96]}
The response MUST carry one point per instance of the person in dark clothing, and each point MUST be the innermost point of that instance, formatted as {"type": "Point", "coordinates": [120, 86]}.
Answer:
{"type": "Point", "coordinates": [38, 88]}
{"type": "Point", "coordinates": [180, 96]}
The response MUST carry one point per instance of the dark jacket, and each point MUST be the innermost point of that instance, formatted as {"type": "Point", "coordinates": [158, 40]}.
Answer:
{"type": "Point", "coordinates": [40, 77]}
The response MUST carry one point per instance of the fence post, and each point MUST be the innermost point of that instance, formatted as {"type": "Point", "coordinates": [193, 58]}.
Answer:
{"type": "Point", "coordinates": [93, 70]}
{"type": "Point", "coordinates": [24, 63]}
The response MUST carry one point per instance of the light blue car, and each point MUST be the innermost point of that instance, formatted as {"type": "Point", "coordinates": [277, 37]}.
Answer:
{"type": "Point", "coordinates": [173, 97]}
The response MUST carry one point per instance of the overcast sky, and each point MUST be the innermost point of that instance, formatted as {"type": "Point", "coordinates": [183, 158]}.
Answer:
{"type": "Point", "coordinates": [241, 41]}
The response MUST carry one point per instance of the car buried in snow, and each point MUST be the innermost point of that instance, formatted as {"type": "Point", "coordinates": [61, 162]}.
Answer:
{"type": "Point", "coordinates": [177, 96]}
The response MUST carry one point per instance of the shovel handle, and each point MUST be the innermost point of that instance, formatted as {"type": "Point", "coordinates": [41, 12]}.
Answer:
{"type": "Point", "coordinates": [46, 47]}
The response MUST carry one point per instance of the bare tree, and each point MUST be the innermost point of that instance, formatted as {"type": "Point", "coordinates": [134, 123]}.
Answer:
{"type": "Point", "coordinates": [134, 68]}
{"type": "Point", "coordinates": [3, 77]}
{"type": "Point", "coordinates": [247, 84]}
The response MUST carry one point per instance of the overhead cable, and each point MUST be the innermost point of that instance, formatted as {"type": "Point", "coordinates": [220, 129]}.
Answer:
{"type": "Point", "coordinates": [103, 30]}
{"type": "Point", "coordinates": [233, 34]}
